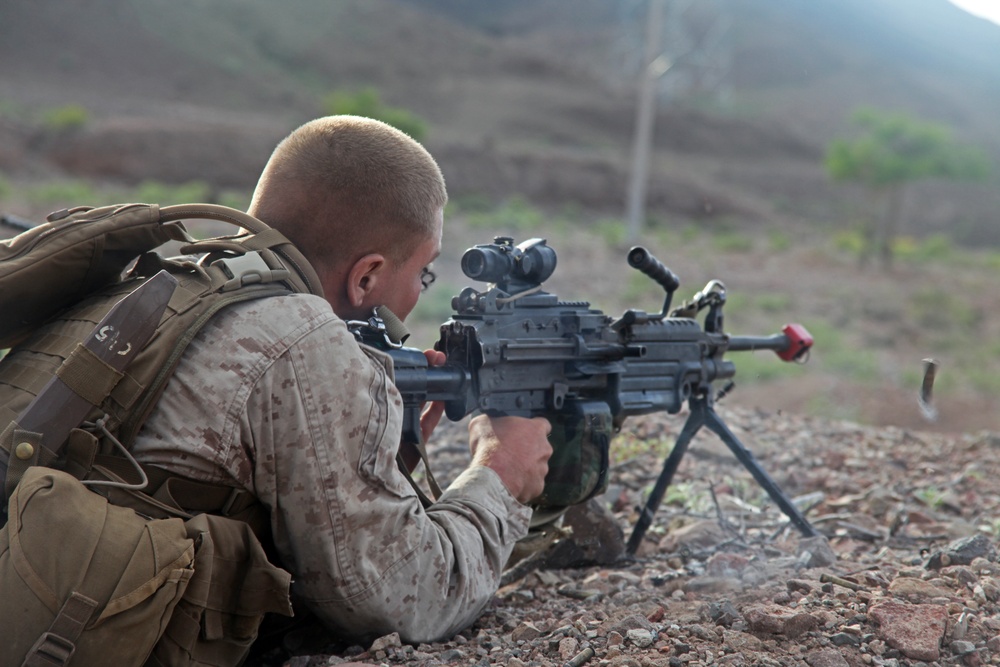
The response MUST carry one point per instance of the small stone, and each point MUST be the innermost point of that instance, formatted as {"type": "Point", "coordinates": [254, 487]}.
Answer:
{"type": "Point", "coordinates": [916, 590]}
{"type": "Point", "coordinates": [525, 632]}
{"type": "Point", "coordinates": [915, 630]}
{"type": "Point", "coordinates": [634, 621]}
{"type": "Point", "coordinates": [826, 658]}
{"type": "Point", "coordinates": [962, 647]}
{"type": "Point", "coordinates": [568, 647]}
{"type": "Point", "coordinates": [845, 639]}
{"type": "Point", "coordinates": [799, 585]}
{"type": "Point", "coordinates": [972, 659]}
{"type": "Point", "coordinates": [777, 620]}
{"type": "Point", "coordinates": [726, 565]}
{"type": "Point", "coordinates": [391, 640]}
{"type": "Point", "coordinates": [820, 553]}
{"type": "Point", "coordinates": [641, 637]}
{"type": "Point", "coordinates": [963, 552]}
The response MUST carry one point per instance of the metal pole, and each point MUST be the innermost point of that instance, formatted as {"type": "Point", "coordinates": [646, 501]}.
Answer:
{"type": "Point", "coordinates": [645, 112]}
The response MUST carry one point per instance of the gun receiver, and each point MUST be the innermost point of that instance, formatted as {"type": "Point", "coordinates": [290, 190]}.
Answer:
{"type": "Point", "coordinates": [515, 349]}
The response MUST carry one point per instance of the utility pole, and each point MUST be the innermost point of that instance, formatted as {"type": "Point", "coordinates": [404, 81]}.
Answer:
{"type": "Point", "coordinates": [655, 65]}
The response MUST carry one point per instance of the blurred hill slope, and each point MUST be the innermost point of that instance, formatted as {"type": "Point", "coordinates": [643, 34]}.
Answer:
{"type": "Point", "coordinates": [523, 97]}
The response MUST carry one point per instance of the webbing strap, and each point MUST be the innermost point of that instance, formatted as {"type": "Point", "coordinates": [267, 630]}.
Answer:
{"type": "Point", "coordinates": [25, 450]}
{"type": "Point", "coordinates": [195, 496]}
{"type": "Point", "coordinates": [90, 377]}
{"type": "Point", "coordinates": [404, 459]}
{"type": "Point", "coordinates": [170, 491]}
{"type": "Point", "coordinates": [267, 238]}
{"type": "Point", "coordinates": [56, 647]}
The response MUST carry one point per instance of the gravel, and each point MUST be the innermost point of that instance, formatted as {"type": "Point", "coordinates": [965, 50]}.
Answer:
{"type": "Point", "coordinates": [904, 574]}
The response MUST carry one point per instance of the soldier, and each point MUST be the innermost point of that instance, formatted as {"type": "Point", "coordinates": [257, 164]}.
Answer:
{"type": "Point", "coordinates": [276, 396]}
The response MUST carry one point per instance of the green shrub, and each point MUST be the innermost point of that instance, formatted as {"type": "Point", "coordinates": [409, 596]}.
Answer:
{"type": "Point", "coordinates": [69, 117]}
{"type": "Point", "coordinates": [62, 193]}
{"type": "Point", "coordinates": [433, 308]}
{"type": "Point", "coordinates": [237, 199]}
{"type": "Point", "coordinates": [984, 379]}
{"type": "Point", "coordinates": [690, 233]}
{"type": "Point", "coordinates": [937, 247]}
{"type": "Point", "coordinates": [772, 302]}
{"type": "Point", "coordinates": [831, 352]}
{"type": "Point", "coordinates": [939, 310]}
{"type": "Point", "coordinates": [512, 217]}
{"type": "Point", "coordinates": [641, 292]}
{"type": "Point", "coordinates": [612, 231]}
{"type": "Point", "coordinates": [165, 194]}
{"type": "Point", "coordinates": [367, 103]}
{"type": "Point", "coordinates": [992, 260]}
{"type": "Point", "coordinates": [470, 203]}
{"type": "Point", "coordinates": [761, 366]}
{"type": "Point", "coordinates": [849, 241]}
{"type": "Point", "coordinates": [778, 240]}
{"type": "Point", "coordinates": [728, 241]}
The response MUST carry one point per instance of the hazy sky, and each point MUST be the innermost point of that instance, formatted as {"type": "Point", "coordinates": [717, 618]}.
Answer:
{"type": "Point", "coordinates": [988, 9]}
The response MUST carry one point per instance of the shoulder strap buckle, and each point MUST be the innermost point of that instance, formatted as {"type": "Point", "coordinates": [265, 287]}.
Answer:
{"type": "Point", "coordinates": [248, 269]}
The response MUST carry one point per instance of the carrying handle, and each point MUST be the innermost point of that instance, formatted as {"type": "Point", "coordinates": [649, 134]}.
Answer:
{"type": "Point", "coordinates": [286, 250]}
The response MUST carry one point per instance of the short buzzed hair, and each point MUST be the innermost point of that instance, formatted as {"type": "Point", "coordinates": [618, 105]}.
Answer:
{"type": "Point", "coordinates": [342, 187]}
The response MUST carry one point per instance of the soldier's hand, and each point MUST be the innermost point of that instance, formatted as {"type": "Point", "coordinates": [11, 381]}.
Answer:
{"type": "Point", "coordinates": [516, 448]}
{"type": "Point", "coordinates": [432, 411]}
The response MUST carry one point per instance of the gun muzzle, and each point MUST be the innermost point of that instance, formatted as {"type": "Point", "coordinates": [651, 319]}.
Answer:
{"type": "Point", "coordinates": [792, 344]}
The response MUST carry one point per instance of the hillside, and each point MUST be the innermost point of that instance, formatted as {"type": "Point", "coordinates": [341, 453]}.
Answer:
{"type": "Point", "coordinates": [531, 100]}
{"type": "Point", "coordinates": [527, 98]}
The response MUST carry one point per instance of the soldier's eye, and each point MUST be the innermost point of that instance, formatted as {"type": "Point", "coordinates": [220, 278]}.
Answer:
{"type": "Point", "coordinates": [427, 278]}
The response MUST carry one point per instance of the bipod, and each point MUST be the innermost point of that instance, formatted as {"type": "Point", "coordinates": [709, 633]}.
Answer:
{"type": "Point", "coordinates": [703, 414]}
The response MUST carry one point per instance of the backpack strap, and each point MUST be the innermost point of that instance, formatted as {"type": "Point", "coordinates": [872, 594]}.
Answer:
{"type": "Point", "coordinates": [256, 263]}
{"type": "Point", "coordinates": [56, 647]}
{"type": "Point", "coordinates": [264, 238]}
{"type": "Point", "coordinates": [83, 380]}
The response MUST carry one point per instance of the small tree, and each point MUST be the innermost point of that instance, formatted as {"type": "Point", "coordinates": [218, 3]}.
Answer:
{"type": "Point", "coordinates": [367, 103]}
{"type": "Point", "coordinates": [893, 151]}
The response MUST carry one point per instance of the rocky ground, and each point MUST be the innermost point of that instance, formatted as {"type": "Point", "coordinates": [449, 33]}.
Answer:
{"type": "Point", "coordinates": [904, 574]}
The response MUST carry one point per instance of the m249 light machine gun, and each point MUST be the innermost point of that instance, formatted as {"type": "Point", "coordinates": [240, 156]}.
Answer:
{"type": "Point", "coordinates": [515, 349]}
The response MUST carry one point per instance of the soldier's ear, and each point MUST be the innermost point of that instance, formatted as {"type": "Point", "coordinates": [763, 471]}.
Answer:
{"type": "Point", "coordinates": [363, 278]}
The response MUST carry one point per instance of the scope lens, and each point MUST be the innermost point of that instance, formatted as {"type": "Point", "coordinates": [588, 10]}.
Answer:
{"type": "Point", "coordinates": [486, 263]}
{"type": "Point", "coordinates": [473, 262]}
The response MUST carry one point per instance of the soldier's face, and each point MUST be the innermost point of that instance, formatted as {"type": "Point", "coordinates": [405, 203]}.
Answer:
{"type": "Point", "coordinates": [404, 282]}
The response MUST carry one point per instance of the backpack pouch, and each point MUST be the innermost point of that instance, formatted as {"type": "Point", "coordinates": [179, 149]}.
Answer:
{"type": "Point", "coordinates": [234, 585]}
{"type": "Point", "coordinates": [83, 582]}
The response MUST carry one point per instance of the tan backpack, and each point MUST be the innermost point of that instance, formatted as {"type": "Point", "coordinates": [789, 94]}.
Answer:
{"type": "Point", "coordinates": [153, 568]}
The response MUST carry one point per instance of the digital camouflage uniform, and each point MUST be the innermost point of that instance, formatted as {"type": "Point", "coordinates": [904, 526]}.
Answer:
{"type": "Point", "coordinates": [276, 396]}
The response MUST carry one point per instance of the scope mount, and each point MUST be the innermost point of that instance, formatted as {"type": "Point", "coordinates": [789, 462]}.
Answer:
{"type": "Point", "coordinates": [512, 268]}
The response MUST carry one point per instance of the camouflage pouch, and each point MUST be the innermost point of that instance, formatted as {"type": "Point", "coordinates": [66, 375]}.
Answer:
{"type": "Point", "coordinates": [578, 469]}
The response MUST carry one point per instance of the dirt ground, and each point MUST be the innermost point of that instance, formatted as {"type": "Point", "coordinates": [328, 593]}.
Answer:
{"type": "Point", "coordinates": [904, 572]}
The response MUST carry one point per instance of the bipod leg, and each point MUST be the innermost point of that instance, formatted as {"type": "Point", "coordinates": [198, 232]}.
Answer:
{"type": "Point", "coordinates": [693, 424]}
{"type": "Point", "coordinates": [715, 424]}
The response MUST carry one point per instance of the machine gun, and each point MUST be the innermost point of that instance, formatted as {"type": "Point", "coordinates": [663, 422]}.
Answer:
{"type": "Point", "coordinates": [515, 349]}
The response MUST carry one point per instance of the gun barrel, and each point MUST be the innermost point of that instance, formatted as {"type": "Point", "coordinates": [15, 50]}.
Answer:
{"type": "Point", "coordinates": [417, 383]}
{"type": "Point", "coordinates": [792, 344]}
{"type": "Point", "coordinates": [440, 383]}
{"type": "Point", "coordinates": [777, 342]}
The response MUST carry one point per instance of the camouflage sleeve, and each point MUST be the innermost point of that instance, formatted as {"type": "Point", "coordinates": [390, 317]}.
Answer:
{"type": "Point", "coordinates": [365, 556]}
